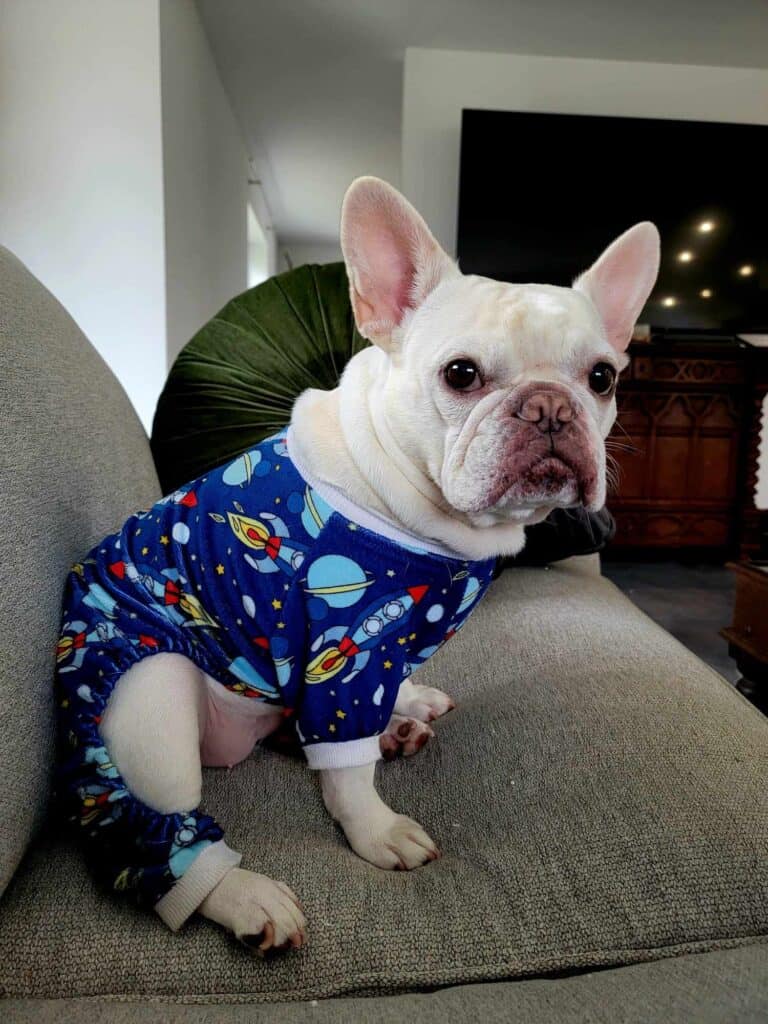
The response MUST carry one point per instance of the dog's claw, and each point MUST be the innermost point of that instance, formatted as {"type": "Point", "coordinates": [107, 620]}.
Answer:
{"type": "Point", "coordinates": [401, 845]}
{"type": "Point", "coordinates": [263, 914]}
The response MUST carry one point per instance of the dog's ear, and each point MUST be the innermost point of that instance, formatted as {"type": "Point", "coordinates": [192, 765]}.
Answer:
{"type": "Point", "coordinates": [621, 280]}
{"type": "Point", "coordinates": [393, 260]}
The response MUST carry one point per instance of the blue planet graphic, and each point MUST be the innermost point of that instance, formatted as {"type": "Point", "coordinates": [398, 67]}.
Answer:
{"type": "Point", "coordinates": [471, 592]}
{"type": "Point", "coordinates": [248, 465]}
{"type": "Point", "coordinates": [246, 672]}
{"type": "Point", "coordinates": [339, 581]}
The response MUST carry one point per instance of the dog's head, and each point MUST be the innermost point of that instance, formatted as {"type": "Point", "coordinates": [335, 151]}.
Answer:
{"type": "Point", "coordinates": [503, 394]}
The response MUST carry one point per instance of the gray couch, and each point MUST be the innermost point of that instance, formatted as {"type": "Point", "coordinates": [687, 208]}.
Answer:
{"type": "Point", "coordinates": [600, 795]}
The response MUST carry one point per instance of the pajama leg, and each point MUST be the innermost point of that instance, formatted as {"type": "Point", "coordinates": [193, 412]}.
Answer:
{"type": "Point", "coordinates": [136, 785]}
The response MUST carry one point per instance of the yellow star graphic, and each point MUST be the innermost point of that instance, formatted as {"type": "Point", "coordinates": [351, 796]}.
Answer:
{"type": "Point", "coordinates": [281, 625]}
{"type": "Point", "coordinates": [277, 605]}
{"type": "Point", "coordinates": [387, 663]}
{"type": "Point", "coordinates": [165, 539]}
{"type": "Point", "coordinates": [401, 640]}
{"type": "Point", "coordinates": [331, 727]}
{"type": "Point", "coordinates": [390, 572]}
{"type": "Point", "coordinates": [341, 714]}
{"type": "Point", "coordinates": [220, 569]}
{"type": "Point", "coordinates": [412, 636]}
{"type": "Point", "coordinates": [145, 550]}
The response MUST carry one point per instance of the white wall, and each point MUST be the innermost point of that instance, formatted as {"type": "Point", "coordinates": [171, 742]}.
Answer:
{"type": "Point", "coordinates": [123, 174]}
{"type": "Point", "coordinates": [308, 252]}
{"type": "Point", "coordinates": [81, 183]}
{"type": "Point", "coordinates": [438, 84]}
{"type": "Point", "coordinates": [205, 170]}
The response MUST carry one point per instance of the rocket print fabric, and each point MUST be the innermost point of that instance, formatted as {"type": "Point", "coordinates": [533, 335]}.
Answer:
{"type": "Point", "coordinates": [277, 596]}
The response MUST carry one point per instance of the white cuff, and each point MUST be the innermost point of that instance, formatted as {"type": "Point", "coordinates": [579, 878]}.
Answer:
{"type": "Point", "coordinates": [351, 754]}
{"type": "Point", "coordinates": [198, 881]}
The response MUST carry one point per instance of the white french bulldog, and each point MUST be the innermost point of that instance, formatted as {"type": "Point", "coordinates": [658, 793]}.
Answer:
{"type": "Point", "coordinates": [479, 408]}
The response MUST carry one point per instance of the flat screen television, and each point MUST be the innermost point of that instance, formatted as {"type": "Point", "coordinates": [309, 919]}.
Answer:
{"type": "Point", "coordinates": [541, 195]}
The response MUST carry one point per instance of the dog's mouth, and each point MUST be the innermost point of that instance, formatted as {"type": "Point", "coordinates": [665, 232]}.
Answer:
{"type": "Point", "coordinates": [548, 480]}
{"type": "Point", "coordinates": [551, 474]}
{"type": "Point", "coordinates": [525, 473]}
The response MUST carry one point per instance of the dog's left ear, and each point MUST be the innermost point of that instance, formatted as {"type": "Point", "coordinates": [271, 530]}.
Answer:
{"type": "Point", "coordinates": [621, 280]}
{"type": "Point", "coordinates": [393, 260]}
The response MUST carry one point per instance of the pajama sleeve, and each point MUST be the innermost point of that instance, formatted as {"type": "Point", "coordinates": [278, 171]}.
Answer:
{"type": "Point", "coordinates": [340, 720]}
{"type": "Point", "coordinates": [371, 609]}
{"type": "Point", "coordinates": [361, 634]}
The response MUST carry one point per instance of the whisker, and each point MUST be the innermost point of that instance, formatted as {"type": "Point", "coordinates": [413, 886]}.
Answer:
{"type": "Point", "coordinates": [621, 446]}
{"type": "Point", "coordinates": [612, 473]}
{"type": "Point", "coordinates": [620, 425]}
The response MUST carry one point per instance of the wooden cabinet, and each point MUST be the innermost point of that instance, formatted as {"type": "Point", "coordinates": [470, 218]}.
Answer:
{"type": "Point", "coordinates": [686, 446]}
{"type": "Point", "coordinates": [747, 636]}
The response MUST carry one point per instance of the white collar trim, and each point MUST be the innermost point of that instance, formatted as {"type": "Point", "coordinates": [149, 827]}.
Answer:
{"type": "Point", "coordinates": [364, 517]}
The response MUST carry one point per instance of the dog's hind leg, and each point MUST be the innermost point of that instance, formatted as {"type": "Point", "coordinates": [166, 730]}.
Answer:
{"type": "Point", "coordinates": [408, 728]}
{"type": "Point", "coordinates": [404, 736]}
{"type": "Point", "coordinates": [424, 703]}
{"type": "Point", "coordinates": [153, 728]}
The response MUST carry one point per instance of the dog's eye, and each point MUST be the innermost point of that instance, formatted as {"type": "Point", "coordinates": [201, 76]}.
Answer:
{"type": "Point", "coordinates": [462, 375]}
{"type": "Point", "coordinates": [602, 377]}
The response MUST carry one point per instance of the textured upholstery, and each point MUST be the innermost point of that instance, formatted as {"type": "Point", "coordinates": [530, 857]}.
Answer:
{"type": "Point", "coordinates": [596, 802]}
{"type": "Point", "coordinates": [599, 794]}
{"type": "Point", "coordinates": [710, 988]}
{"type": "Point", "coordinates": [74, 462]}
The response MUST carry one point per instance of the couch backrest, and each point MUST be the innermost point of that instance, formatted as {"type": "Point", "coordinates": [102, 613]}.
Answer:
{"type": "Point", "coordinates": [74, 462]}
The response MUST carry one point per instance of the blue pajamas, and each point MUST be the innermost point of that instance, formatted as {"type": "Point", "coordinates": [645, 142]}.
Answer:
{"type": "Point", "coordinates": [251, 574]}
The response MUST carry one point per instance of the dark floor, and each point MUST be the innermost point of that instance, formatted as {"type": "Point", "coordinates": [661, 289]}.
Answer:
{"type": "Point", "coordinates": [692, 602]}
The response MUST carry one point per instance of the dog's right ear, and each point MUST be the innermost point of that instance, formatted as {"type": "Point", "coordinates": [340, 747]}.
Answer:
{"type": "Point", "coordinates": [393, 260]}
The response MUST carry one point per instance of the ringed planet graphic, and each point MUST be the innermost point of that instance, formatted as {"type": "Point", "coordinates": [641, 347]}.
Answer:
{"type": "Point", "coordinates": [242, 470]}
{"type": "Point", "coordinates": [338, 580]}
{"type": "Point", "coordinates": [471, 592]}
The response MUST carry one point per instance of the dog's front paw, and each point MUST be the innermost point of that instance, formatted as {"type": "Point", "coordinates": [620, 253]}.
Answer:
{"type": "Point", "coordinates": [263, 914]}
{"type": "Point", "coordinates": [424, 703]}
{"type": "Point", "coordinates": [404, 736]}
{"type": "Point", "coordinates": [395, 844]}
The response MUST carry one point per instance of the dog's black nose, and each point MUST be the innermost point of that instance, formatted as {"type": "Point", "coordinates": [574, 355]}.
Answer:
{"type": "Point", "coordinates": [548, 409]}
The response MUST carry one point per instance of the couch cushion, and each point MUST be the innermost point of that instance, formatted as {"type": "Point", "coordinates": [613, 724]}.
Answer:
{"type": "Point", "coordinates": [708, 988]}
{"type": "Point", "coordinates": [74, 461]}
{"type": "Point", "coordinates": [599, 796]}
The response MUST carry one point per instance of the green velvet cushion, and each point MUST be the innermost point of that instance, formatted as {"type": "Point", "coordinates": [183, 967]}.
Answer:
{"type": "Point", "coordinates": [235, 382]}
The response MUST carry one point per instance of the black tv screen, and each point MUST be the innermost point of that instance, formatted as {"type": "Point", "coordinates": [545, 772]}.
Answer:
{"type": "Point", "coordinates": [541, 195]}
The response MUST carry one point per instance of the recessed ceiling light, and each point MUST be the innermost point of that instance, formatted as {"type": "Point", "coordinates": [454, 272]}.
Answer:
{"type": "Point", "coordinates": [706, 293]}
{"type": "Point", "coordinates": [706, 226]}
{"type": "Point", "coordinates": [685, 256]}
{"type": "Point", "coordinates": [669, 301]}
{"type": "Point", "coordinates": [747, 270]}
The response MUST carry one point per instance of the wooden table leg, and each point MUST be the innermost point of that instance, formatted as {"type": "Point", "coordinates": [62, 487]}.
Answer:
{"type": "Point", "coordinates": [754, 681]}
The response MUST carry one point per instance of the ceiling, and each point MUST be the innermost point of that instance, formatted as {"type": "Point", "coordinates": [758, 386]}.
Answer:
{"type": "Point", "coordinates": [317, 84]}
